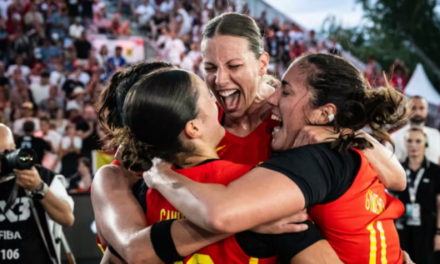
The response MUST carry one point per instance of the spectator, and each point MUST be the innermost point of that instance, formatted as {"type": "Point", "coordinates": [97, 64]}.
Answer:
{"type": "Point", "coordinates": [116, 28]}
{"type": "Point", "coordinates": [33, 18]}
{"type": "Point", "coordinates": [76, 29]}
{"type": "Point", "coordinates": [50, 205]}
{"type": "Point", "coordinates": [195, 54]}
{"type": "Point", "coordinates": [5, 84]}
{"type": "Point", "coordinates": [185, 21]}
{"type": "Point", "coordinates": [4, 4]}
{"type": "Point", "coordinates": [60, 122]}
{"type": "Point", "coordinates": [102, 23]}
{"type": "Point", "coordinates": [25, 70]}
{"type": "Point", "coordinates": [49, 50]}
{"type": "Point", "coordinates": [35, 75]}
{"type": "Point", "coordinates": [53, 102]}
{"type": "Point", "coordinates": [173, 49]}
{"type": "Point", "coordinates": [49, 136]}
{"type": "Point", "coordinates": [69, 151]}
{"type": "Point", "coordinates": [126, 7]}
{"type": "Point", "coordinates": [419, 113]}
{"type": "Point", "coordinates": [28, 112]}
{"type": "Point", "coordinates": [373, 72]}
{"type": "Point", "coordinates": [83, 48]}
{"type": "Point", "coordinates": [75, 79]}
{"type": "Point", "coordinates": [4, 41]}
{"type": "Point", "coordinates": [73, 10]}
{"type": "Point", "coordinates": [418, 228]}
{"type": "Point", "coordinates": [399, 77]}
{"type": "Point", "coordinates": [86, 129]}
{"type": "Point", "coordinates": [78, 95]}
{"type": "Point", "coordinates": [57, 22]}
{"type": "Point", "coordinates": [39, 145]}
{"type": "Point", "coordinates": [144, 12]}
{"type": "Point", "coordinates": [158, 21]}
{"type": "Point", "coordinates": [102, 56]}
{"type": "Point", "coordinates": [118, 60]}
{"type": "Point", "coordinates": [87, 9]}
{"type": "Point", "coordinates": [167, 6]}
{"type": "Point", "coordinates": [82, 180]}
{"type": "Point", "coordinates": [40, 91]}
{"type": "Point", "coordinates": [57, 75]}
{"type": "Point", "coordinates": [73, 112]}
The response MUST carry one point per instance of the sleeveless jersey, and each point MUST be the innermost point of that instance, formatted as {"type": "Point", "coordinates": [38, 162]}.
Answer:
{"type": "Point", "coordinates": [359, 225]}
{"type": "Point", "coordinates": [251, 150]}
{"type": "Point", "coordinates": [226, 251]}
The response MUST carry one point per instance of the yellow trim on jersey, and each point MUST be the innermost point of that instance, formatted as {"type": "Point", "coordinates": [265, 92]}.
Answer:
{"type": "Point", "coordinates": [373, 243]}
{"type": "Point", "coordinates": [253, 261]}
{"type": "Point", "coordinates": [220, 148]}
{"type": "Point", "coordinates": [102, 248]}
{"type": "Point", "coordinates": [383, 243]}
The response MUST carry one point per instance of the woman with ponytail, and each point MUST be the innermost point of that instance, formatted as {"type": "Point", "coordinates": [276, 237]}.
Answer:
{"type": "Point", "coordinates": [335, 181]}
{"type": "Point", "coordinates": [182, 127]}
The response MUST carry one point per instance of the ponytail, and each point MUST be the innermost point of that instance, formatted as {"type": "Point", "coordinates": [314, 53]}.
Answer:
{"type": "Point", "coordinates": [332, 79]}
{"type": "Point", "coordinates": [108, 113]}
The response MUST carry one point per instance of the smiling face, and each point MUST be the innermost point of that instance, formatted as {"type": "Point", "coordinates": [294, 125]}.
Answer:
{"type": "Point", "coordinates": [212, 131]}
{"type": "Point", "coordinates": [232, 72]}
{"type": "Point", "coordinates": [291, 106]}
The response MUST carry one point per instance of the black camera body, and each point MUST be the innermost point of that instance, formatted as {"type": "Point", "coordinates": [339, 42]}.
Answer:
{"type": "Point", "coordinates": [20, 159]}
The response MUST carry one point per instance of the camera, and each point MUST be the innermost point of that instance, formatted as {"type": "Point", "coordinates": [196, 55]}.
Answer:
{"type": "Point", "coordinates": [20, 159]}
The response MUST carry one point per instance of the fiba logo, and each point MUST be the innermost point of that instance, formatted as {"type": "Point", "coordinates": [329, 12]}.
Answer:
{"type": "Point", "coordinates": [24, 211]}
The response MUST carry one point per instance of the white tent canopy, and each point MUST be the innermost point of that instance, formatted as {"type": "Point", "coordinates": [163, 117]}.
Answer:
{"type": "Point", "coordinates": [419, 84]}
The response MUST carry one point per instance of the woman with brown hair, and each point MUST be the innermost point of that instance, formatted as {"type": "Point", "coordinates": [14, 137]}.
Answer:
{"type": "Point", "coordinates": [235, 72]}
{"type": "Point", "coordinates": [335, 181]}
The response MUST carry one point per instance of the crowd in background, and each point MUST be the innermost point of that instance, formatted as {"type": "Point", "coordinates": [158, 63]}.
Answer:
{"type": "Point", "coordinates": [51, 74]}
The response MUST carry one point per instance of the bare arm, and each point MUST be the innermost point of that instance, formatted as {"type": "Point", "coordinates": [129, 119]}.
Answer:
{"type": "Point", "coordinates": [258, 197]}
{"type": "Point", "coordinates": [57, 209]}
{"type": "Point", "coordinates": [121, 220]}
{"type": "Point", "coordinates": [390, 171]}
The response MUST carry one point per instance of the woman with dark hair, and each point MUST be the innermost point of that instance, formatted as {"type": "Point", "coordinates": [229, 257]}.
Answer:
{"type": "Point", "coordinates": [335, 181]}
{"type": "Point", "coordinates": [81, 181]}
{"type": "Point", "coordinates": [186, 133]}
{"type": "Point", "coordinates": [235, 66]}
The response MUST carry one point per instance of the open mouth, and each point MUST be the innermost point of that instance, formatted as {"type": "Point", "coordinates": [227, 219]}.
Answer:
{"type": "Point", "coordinates": [277, 128]}
{"type": "Point", "coordinates": [231, 99]}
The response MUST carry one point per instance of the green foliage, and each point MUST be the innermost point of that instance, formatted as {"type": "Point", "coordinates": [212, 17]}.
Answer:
{"type": "Point", "coordinates": [394, 29]}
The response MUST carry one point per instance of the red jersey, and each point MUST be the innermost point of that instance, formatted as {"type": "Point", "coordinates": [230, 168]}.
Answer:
{"type": "Point", "coordinates": [359, 225]}
{"type": "Point", "coordinates": [226, 251]}
{"type": "Point", "coordinates": [251, 150]}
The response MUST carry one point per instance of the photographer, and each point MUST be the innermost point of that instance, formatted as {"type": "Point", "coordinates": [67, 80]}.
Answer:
{"type": "Point", "coordinates": [33, 203]}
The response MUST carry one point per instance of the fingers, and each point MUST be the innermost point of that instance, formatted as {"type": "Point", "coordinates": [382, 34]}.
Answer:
{"type": "Point", "coordinates": [293, 228]}
{"type": "Point", "coordinates": [296, 218]}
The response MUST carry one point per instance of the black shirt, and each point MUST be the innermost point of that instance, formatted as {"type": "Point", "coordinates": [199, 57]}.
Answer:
{"type": "Point", "coordinates": [285, 246]}
{"type": "Point", "coordinates": [323, 174]}
{"type": "Point", "coordinates": [69, 85]}
{"type": "Point", "coordinates": [4, 81]}
{"type": "Point", "coordinates": [39, 145]}
{"type": "Point", "coordinates": [19, 232]}
{"type": "Point", "coordinates": [89, 143]}
{"type": "Point", "coordinates": [83, 48]}
{"type": "Point", "coordinates": [427, 191]}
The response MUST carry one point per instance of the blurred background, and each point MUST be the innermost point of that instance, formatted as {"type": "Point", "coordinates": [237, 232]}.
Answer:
{"type": "Point", "coordinates": [56, 56]}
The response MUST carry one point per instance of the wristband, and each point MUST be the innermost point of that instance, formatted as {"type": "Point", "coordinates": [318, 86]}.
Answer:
{"type": "Point", "coordinates": [437, 231]}
{"type": "Point", "coordinates": [163, 243]}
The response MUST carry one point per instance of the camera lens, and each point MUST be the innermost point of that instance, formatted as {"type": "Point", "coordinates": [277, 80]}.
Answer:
{"type": "Point", "coordinates": [20, 159]}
